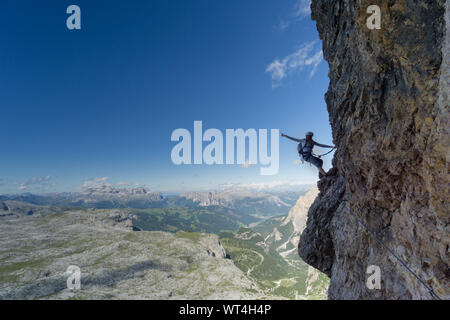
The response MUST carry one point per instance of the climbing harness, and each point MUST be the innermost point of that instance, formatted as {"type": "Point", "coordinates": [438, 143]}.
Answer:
{"type": "Point", "coordinates": [433, 294]}
{"type": "Point", "coordinates": [304, 148]}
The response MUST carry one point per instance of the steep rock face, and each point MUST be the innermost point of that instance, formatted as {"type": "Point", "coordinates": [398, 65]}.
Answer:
{"type": "Point", "coordinates": [213, 246]}
{"type": "Point", "coordinates": [316, 243]}
{"type": "Point", "coordinates": [388, 102]}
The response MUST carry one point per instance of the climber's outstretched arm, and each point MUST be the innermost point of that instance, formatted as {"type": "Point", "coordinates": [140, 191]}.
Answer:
{"type": "Point", "coordinates": [291, 138]}
{"type": "Point", "coordinates": [322, 145]}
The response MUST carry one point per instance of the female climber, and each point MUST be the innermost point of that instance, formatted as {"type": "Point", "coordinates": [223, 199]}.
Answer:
{"type": "Point", "coordinates": [305, 147]}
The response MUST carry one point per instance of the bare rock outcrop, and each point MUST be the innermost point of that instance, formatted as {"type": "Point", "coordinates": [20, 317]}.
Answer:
{"type": "Point", "coordinates": [115, 263]}
{"type": "Point", "coordinates": [213, 246]}
{"type": "Point", "coordinates": [388, 103]}
{"type": "Point", "coordinates": [299, 213]}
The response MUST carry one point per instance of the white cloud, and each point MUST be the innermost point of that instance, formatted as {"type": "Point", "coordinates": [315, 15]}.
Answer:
{"type": "Point", "coordinates": [39, 182]}
{"type": "Point", "coordinates": [95, 182]}
{"type": "Point", "coordinates": [302, 8]}
{"type": "Point", "coordinates": [126, 184]}
{"type": "Point", "coordinates": [280, 185]}
{"type": "Point", "coordinates": [277, 70]}
{"type": "Point", "coordinates": [308, 56]}
{"type": "Point", "coordinates": [105, 181]}
{"type": "Point", "coordinates": [283, 25]}
{"type": "Point", "coordinates": [314, 61]}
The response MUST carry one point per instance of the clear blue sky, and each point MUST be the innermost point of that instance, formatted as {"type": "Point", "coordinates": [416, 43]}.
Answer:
{"type": "Point", "coordinates": [101, 102]}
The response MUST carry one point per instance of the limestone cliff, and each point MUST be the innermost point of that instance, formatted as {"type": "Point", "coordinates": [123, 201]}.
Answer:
{"type": "Point", "coordinates": [388, 104]}
{"type": "Point", "coordinates": [298, 214]}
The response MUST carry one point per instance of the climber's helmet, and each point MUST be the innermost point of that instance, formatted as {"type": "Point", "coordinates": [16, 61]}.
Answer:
{"type": "Point", "coordinates": [309, 133]}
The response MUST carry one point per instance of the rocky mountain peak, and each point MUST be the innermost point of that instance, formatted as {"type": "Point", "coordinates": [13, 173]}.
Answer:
{"type": "Point", "coordinates": [299, 213]}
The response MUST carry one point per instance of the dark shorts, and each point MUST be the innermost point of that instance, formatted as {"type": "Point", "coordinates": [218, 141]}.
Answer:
{"type": "Point", "coordinates": [314, 161]}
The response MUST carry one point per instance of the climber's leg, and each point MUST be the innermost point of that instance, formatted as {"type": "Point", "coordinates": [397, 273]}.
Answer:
{"type": "Point", "coordinates": [322, 172]}
{"type": "Point", "coordinates": [317, 162]}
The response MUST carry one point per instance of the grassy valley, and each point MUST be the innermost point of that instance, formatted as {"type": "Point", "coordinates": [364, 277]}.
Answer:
{"type": "Point", "coordinates": [274, 273]}
{"type": "Point", "coordinates": [193, 219]}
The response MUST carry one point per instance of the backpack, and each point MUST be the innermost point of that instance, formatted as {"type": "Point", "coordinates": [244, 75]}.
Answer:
{"type": "Point", "coordinates": [301, 147]}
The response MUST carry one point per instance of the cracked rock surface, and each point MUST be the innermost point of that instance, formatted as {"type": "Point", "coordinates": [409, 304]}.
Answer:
{"type": "Point", "coordinates": [388, 105]}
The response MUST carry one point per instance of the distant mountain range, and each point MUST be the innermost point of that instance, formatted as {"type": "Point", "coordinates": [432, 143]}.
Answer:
{"type": "Point", "coordinates": [246, 205]}
{"type": "Point", "coordinates": [215, 211]}
{"type": "Point", "coordinates": [103, 196]}
{"type": "Point", "coordinates": [256, 203]}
